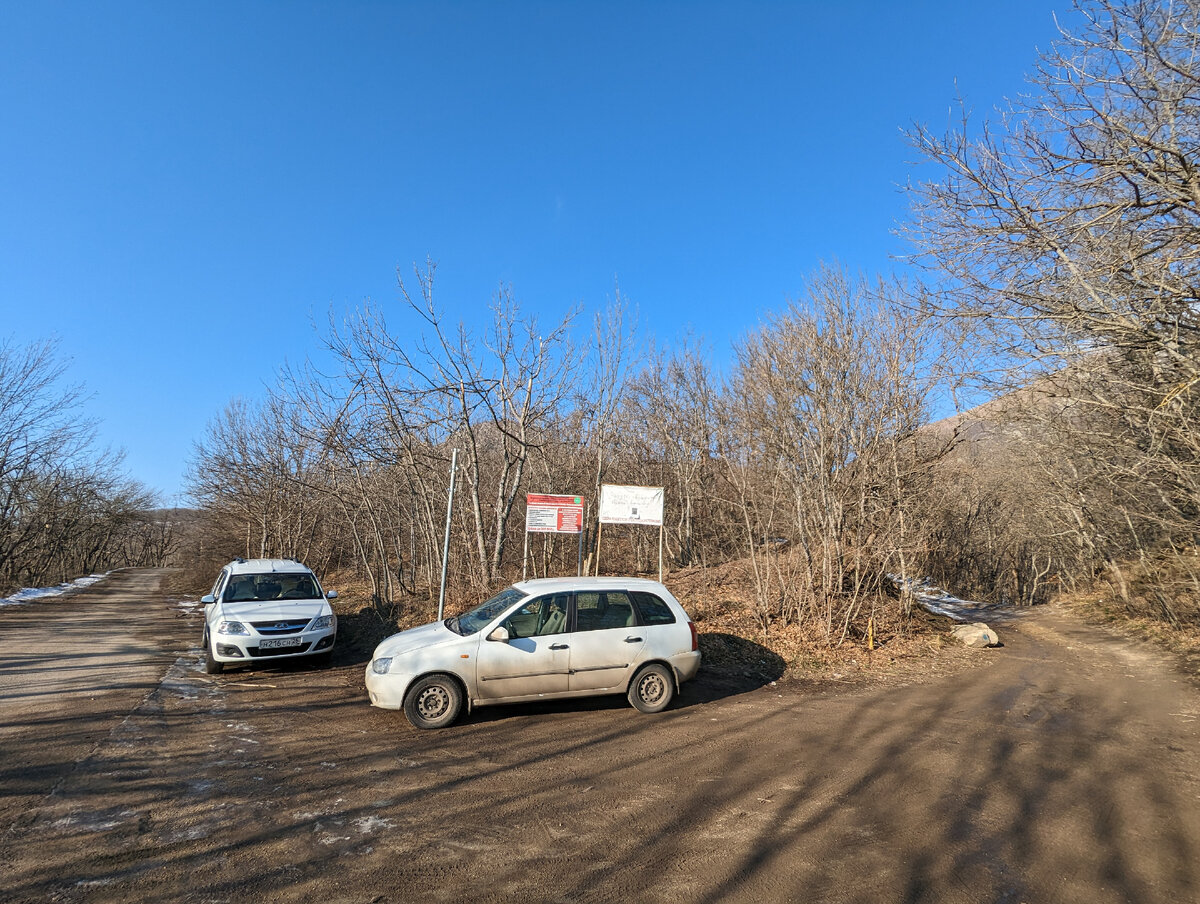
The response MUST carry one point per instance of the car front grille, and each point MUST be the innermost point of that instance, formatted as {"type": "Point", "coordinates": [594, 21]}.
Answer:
{"type": "Point", "coordinates": [278, 651]}
{"type": "Point", "coordinates": [280, 627]}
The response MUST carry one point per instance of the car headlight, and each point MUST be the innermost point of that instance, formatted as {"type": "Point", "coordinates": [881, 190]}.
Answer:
{"type": "Point", "coordinates": [231, 627]}
{"type": "Point", "coordinates": [323, 621]}
{"type": "Point", "coordinates": [381, 666]}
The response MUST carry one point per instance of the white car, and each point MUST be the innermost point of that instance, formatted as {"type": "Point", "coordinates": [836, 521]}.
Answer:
{"type": "Point", "coordinates": [541, 640]}
{"type": "Point", "coordinates": [267, 609]}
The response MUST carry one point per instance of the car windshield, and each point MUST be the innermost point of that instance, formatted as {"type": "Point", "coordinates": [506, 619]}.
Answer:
{"type": "Point", "coordinates": [249, 588]}
{"type": "Point", "coordinates": [485, 613]}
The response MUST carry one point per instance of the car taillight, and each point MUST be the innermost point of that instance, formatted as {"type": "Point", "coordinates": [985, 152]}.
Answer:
{"type": "Point", "coordinates": [695, 636]}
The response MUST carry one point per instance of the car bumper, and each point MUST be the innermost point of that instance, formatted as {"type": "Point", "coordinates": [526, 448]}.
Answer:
{"type": "Point", "coordinates": [686, 665]}
{"type": "Point", "coordinates": [237, 648]}
{"type": "Point", "coordinates": [387, 690]}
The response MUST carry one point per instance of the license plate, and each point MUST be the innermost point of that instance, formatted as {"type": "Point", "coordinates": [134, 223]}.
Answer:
{"type": "Point", "coordinates": [275, 643]}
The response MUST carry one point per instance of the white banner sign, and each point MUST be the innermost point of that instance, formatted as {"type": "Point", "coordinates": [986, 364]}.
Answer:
{"type": "Point", "coordinates": [631, 505]}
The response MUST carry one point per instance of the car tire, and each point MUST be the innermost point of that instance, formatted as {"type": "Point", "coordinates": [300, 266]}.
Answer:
{"type": "Point", "coordinates": [211, 665]}
{"type": "Point", "coordinates": [652, 689]}
{"type": "Point", "coordinates": [433, 702]}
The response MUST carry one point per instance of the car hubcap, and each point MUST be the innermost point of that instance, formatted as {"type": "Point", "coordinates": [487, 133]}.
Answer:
{"type": "Point", "coordinates": [652, 688]}
{"type": "Point", "coordinates": [433, 702]}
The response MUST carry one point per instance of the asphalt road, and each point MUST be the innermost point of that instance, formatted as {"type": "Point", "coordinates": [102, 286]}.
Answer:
{"type": "Point", "coordinates": [1062, 769]}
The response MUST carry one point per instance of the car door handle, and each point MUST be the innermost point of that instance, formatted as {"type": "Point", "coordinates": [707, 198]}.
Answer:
{"type": "Point", "coordinates": [633, 640]}
{"type": "Point", "coordinates": [559, 646]}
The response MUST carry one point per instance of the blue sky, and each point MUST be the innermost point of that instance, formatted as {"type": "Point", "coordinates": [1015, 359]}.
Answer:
{"type": "Point", "coordinates": [185, 187]}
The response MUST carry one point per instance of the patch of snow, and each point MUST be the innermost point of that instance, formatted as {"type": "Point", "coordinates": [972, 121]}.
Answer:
{"type": "Point", "coordinates": [367, 824]}
{"type": "Point", "coordinates": [936, 600]}
{"type": "Point", "coordinates": [29, 594]}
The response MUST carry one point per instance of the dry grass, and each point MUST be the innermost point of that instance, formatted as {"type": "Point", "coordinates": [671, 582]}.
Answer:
{"type": "Point", "coordinates": [720, 599]}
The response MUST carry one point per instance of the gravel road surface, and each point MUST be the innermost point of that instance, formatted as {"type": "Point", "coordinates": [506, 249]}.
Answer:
{"type": "Point", "coordinates": [1062, 769]}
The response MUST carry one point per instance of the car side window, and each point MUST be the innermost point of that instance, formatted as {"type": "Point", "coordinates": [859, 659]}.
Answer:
{"type": "Point", "coordinates": [523, 622]}
{"type": "Point", "coordinates": [553, 615]}
{"type": "Point", "coordinates": [599, 610]}
{"type": "Point", "coordinates": [652, 610]}
{"type": "Point", "coordinates": [539, 617]}
{"type": "Point", "coordinates": [587, 610]}
{"type": "Point", "coordinates": [219, 585]}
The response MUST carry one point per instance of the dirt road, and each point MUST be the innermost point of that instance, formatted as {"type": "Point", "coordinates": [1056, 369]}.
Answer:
{"type": "Point", "coordinates": [1064, 769]}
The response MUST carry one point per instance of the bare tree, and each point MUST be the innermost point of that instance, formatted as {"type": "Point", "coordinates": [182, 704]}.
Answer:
{"type": "Point", "coordinates": [65, 507]}
{"type": "Point", "coordinates": [670, 406]}
{"type": "Point", "coordinates": [1065, 237]}
{"type": "Point", "coordinates": [494, 398]}
{"type": "Point", "coordinates": [828, 393]}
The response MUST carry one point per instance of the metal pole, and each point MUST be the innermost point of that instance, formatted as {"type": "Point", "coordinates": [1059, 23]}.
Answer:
{"type": "Point", "coordinates": [446, 543]}
{"type": "Point", "coordinates": [579, 557]}
{"type": "Point", "coordinates": [525, 555]}
{"type": "Point", "coordinates": [599, 537]}
{"type": "Point", "coordinates": [660, 539]}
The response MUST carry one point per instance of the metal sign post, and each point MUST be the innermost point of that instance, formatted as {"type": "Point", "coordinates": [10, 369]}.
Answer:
{"type": "Point", "coordinates": [660, 542]}
{"type": "Point", "coordinates": [446, 542]}
{"type": "Point", "coordinates": [579, 555]}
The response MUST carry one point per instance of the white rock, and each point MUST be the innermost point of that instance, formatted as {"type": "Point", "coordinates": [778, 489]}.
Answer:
{"type": "Point", "coordinates": [976, 635]}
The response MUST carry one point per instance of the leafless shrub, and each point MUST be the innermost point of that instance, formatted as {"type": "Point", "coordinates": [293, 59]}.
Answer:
{"type": "Point", "coordinates": [815, 441]}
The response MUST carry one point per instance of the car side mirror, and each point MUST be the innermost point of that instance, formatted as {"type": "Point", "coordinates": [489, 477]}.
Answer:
{"type": "Point", "coordinates": [500, 635]}
{"type": "Point", "coordinates": [330, 594]}
{"type": "Point", "coordinates": [208, 600]}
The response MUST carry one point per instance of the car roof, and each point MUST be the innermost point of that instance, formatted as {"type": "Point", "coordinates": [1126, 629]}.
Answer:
{"type": "Point", "coordinates": [558, 585]}
{"type": "Point", "coordinates": [266, 566]}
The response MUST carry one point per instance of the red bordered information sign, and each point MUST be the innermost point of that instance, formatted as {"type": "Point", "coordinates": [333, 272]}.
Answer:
{"type": "Point", "coordinates": [553, 514]}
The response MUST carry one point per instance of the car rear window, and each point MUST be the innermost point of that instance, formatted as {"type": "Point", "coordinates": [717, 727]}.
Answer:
{"type": "Point", "coordinates": [652, 609]}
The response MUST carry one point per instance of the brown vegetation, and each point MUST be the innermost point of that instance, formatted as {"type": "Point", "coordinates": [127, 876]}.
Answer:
{"type": "Point", "coordinates": [800, 463]}
{"type": "Point", "coordinates": [1060, 246]}
{"type": "Point", "coordinates": [1063, 244]}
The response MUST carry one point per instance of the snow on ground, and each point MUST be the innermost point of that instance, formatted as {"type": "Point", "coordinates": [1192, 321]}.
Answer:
{"type": "Point", "coordinates": [936, 600]}
{"type": "Point", "coordinates": [29, 594]}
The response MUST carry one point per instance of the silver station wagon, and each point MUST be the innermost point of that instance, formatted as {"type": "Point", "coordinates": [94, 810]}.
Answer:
{"type": "Point", "coordinates": [545, 639]}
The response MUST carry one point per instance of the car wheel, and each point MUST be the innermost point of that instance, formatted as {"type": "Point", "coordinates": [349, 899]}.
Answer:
{"type": "Point", "coordinates": [433, 702]}
{"type": "Point", "coordinates": [211, 666]}
{"type": "Point", "coordinates": [652, 689]}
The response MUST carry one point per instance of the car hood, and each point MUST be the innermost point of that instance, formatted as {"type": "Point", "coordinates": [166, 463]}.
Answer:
{"type": "Point", "coordinates": [275, 609]}
{"type": "Point", "coordinates": [431, 635]}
